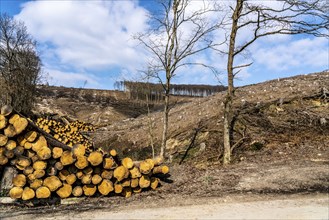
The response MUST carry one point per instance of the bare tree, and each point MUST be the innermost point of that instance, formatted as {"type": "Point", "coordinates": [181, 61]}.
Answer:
{"type": "Point", "coordinates": [176, 34]}
{"type": "Point", "coordinates": [20, 65]}
{"type": "Point", "coordinates": [285, 17]}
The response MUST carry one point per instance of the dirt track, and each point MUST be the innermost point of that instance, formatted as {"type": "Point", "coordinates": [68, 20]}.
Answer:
{"type": "Point", "coordinates": [311, 206]}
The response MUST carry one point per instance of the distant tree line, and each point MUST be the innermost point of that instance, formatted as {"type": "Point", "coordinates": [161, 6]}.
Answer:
{"type": "Point", "coordinates": [155, 92]}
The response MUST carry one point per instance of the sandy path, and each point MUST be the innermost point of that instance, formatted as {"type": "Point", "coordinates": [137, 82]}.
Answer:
{"type": "Point", "coordinates": [304, 207]}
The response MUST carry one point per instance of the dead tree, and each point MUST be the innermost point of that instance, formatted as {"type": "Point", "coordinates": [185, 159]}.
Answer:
{"type": "Point", "coordinates": [291, 17]}
{"type": "Point", "coordinates": [171, 45]}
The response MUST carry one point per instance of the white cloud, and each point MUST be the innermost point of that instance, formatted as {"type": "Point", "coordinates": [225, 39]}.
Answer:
{"type": "Point", "coordinates": [88, 34]}
{"type": "Point", "coordinates": [72, 79]}
{"type": "Point", "coordinates": [301, 53]}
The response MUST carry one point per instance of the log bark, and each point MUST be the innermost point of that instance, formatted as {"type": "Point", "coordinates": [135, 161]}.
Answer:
{"type": "Point", "coordinates": [7, 179]}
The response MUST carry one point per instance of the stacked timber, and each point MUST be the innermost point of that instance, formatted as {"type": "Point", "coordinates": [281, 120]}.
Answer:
{"type": "Point", "coordinates": [46, 170]}
{"type": "Point", "coordinates": [69, 133]}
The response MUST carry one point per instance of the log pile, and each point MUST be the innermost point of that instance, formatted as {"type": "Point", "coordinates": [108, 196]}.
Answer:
{"type": "Point", "coordinates": [45, 170]}
{"type": "Point", "coordinates": [67, 133]}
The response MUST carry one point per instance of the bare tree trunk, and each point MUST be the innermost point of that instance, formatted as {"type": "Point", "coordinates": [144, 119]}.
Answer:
{"type": "Point", "coordinates": [228, 110]}
{"type": "Point", "coordinates": [165, 125]}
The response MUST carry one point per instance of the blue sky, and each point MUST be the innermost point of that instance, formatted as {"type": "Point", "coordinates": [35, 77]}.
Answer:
{"type": "Point", "coordinates": [89, 43]}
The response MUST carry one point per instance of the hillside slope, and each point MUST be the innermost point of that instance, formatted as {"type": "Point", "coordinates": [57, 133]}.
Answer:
{"type": "Point", "coordinates": [288, 116]}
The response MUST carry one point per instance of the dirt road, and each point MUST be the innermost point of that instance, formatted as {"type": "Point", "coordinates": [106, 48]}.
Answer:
{"type": "Point", "coordinates": [314, 206]}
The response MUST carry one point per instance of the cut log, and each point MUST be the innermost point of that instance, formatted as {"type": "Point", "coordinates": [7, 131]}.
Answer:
{"type": "Point", "coordinates": [3, 140]}
{"type": "Point", "coordinates": [44, 153]}
{"type": "Point", "coordinates": [145, 167]}
{"type": "Point", "coordinates": [23, 161]}
{"type": "Point", "coordinates": [3, 122]}
{"type": "Point", "coordinates": [118, 188]}
{"type": "Point", "coordinates": [13, 118]}
{"type": "Point", "coordinates": [113, 153]}
{"type": "Point", "coordinates": [39, 143]}
{"type": "Point", "coordinates": [63, 174]}
{"type": "Point", "coordinates": [121, 173]}
{"type": "Point", "coordinates": [40, 165]}
{"type": "Point", "coordinates": [28, 193]}
{"type": "Point", "coordinates": [65, 191]}
{"type": "Point", "coordinates": [161, 169]}
{"type": "Point", "coordinates": [157, 161]}
{"type": "Point", "coordinates": [39, 173]}
{"type": "Point", "coordinates": [59, 166]}
{"type": "Point", "coordinates": [86, 179]}
{"type": "Point", "coordinates": [95, 158]}
{"type": "Point", "coordinates": [57, 152]}
{"type": "Point", "coordinates": [19, 150]}
{"type": "Point", "coordinates": [126, 192]}
{"type": "Point", "coordinates": [21, 140]}
{"type": "Point", "coordinates": [70, 179]}
{"type": "Point", "coordinates": [31, 177]}
{"type": "Point", "coordinates": [79, 150]}
{"type": "Point", "coordinates": [108, 163]}
{"type": "Point", "coordinates": [28, 170]}
{"type": "Point", "coordinates": [107, 174]}
{"type": "Point", "coordinates": [89, 190]}
{"type": "Point", "coordinates": [52, 182]}
{"type": "Point", "coordinates": [144, 181]}
{"type": "Point", "coordinates": [134, 182]}
{"type": "Point", "coordinates": [134, 173]}
{"type": "Point", "coordinates": [19, 180]}
{"type": "Point", "coordinates": [31, 136]}
{"type": "Point", "coordinates": [20, 125]}
{"type": "Point", "coordinates": [88, 170]}
{"type": "Point", "coordinates": [6, 110]}
{"type": "Point", "coordinates": [154, 182]}
{"type": "Point", "coordinates": [77, 191]}
{"type": "Point", "coordinates": [30, 153]}
{"type": "Point", "coordinates": [127, 162]}
{"type": "Point", "coordinates": [105, 187]}
{"type": "Point", "coordinates": [3, 160]}
{"type": "Point", "coordinates": [10, 131]}
{"type": "Point", "coordinates": [2, 151]}
{"type": "Point", "coordinates": [51, 171]}
{"type": "Point", "coordinates": [11, 145]}
{"type": "Point", "coordinates": [27, 145]}
{"type": "Point", "coordinates": [42, 192]}
{"type": "Point", "coordinates": [9, 154]}
{"type": "Point", "coordinates": [67, 158]}
{"type": "Point", "coordinates": [35, 184]}
{"type": "Point", "coordinates": [96, 179]}
{"type": "Point", "coordinates": [81, 162]}
{"type": "Point", "coordinates": [137, 190]}
{"type": "Point", "coordinates": [16, 192]}
{"type": "Point", "coordinates": [79, 175]}
{"type": "Point", "coordinates": [125, 182]}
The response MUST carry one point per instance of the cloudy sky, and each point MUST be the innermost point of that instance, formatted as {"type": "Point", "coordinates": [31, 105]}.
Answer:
{"type": "Point", "coordinates": [90, 44]}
